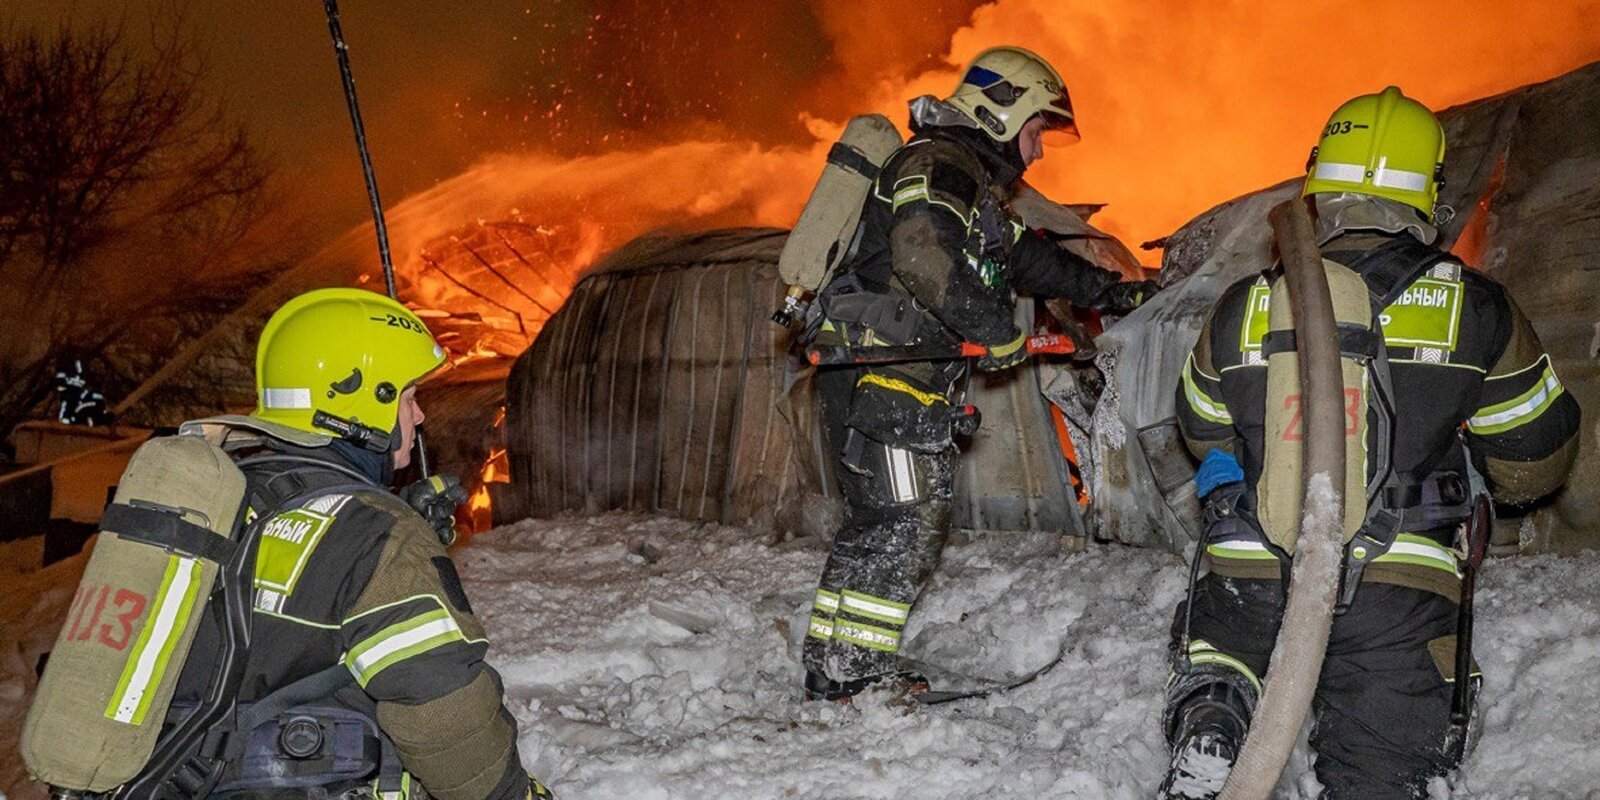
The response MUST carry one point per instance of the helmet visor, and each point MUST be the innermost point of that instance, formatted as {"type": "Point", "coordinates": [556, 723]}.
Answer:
{"type": "Point", "coordinates": [1059, 129]}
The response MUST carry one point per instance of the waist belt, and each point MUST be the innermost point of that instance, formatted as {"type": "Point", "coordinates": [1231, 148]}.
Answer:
{"type": "Point", "coordinates": [1428, 510]}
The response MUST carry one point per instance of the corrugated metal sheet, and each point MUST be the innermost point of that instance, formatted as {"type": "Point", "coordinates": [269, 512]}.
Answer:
{"type": "Point", "coordinates": [662, 386]}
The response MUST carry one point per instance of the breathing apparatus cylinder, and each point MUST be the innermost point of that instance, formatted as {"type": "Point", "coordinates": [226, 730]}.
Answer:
{"type": "Point", "coordinates": [1281, 487]}
{"type": "Point", "coordinates": [105, 692]}
{"type": "Point", "coordinates": [823, 236]}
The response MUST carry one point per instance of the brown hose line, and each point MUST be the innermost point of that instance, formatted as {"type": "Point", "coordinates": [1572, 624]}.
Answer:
{"type": "Point", "coordinates": [1308, 615]}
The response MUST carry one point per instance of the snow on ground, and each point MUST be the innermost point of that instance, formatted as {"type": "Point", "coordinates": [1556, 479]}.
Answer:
{"type": "Point", "coordinates": [648, 657]}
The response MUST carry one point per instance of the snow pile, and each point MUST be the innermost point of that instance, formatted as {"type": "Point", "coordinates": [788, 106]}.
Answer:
{"type": "Point", "coordinates": [656, 658]}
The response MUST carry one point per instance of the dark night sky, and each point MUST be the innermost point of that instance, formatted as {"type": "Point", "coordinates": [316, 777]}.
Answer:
{"type": "Point", "coordinates": [1182, 105]}
{"type": "Point", "coordinates": [443, 83]}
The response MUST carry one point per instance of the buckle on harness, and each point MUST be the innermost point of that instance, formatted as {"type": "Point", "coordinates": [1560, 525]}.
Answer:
{"type": "Point", "coordinates": [1373, 540]}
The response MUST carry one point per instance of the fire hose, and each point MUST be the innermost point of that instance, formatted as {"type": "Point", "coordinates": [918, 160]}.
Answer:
{"type": "Point", "coordinates": [1308, 614]}
{"type": "Point", "coordinates": [847, 355]}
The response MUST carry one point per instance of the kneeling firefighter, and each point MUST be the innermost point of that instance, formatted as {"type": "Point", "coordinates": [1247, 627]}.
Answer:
{"type": "Point", "coordinates": [279, 623]}
{"type": "Point", "coordinates": [1449, 395]}
{"type": "Point", "coordinates": [937, 258]}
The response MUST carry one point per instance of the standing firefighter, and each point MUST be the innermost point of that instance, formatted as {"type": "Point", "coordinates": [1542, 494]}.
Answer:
{"type": "Point", "coordinates": [1454, 385]}
{"type": "Point", "coordinates": [938, 260]}
{"type": "Point", "coordinates": [352, 665]}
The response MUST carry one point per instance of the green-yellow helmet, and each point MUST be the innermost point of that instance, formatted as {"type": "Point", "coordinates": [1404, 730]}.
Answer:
{"type": "Point", "coordinates": [1004, 87]}
{"type": "Point", "coordinates": [1384, 144]}
{"type": "Point", "coordinates": [336, 360]}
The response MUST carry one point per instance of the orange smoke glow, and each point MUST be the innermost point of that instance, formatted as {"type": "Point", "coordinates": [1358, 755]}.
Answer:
{"type": "Point", "coordinates": [1182, 106]}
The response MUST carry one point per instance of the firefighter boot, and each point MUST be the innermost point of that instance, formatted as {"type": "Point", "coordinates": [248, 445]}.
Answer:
{"type": "Point", "coordinates": [898, 684]}
{"type": "Point", "coordinates": [1211, 726]}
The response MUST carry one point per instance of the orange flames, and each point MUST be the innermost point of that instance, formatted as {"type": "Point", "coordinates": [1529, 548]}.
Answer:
{"type": "Point", "coordinates": [1182, 106]}
{"type": "Point", "coordinates": [477, 514]}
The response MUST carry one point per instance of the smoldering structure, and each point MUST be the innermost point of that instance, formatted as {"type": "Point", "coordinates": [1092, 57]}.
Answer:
{"type": "Point", "coordinates": [662, 387]}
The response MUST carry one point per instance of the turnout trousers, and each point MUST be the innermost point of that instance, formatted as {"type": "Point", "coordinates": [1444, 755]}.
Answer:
{"type": "Point", "coordinates": [1382, 706]}
{"type": "Point", "coordinates": [896, 521]}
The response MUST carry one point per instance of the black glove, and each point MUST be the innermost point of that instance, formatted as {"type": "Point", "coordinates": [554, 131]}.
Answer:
{"type": "Point", "coordinates": [1121, 298]}
{"type": "Point", "coordinates": [1004, 356]}
{"type": "Point", "coordinates": [436, 499]}
{"type": "Point", "coordinates": [536, 790]}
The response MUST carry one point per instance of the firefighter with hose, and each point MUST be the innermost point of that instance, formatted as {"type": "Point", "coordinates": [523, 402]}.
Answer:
{"type": "Point", "coordinates": [936, 260]}
{"type": "Point", "coordinates": [1457, 399]}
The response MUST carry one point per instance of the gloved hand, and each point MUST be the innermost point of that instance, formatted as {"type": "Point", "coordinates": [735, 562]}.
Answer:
{"type": "Point", "coordinates": [1004, 356]}
{"type": "Point", "coordinates": [1219, 468]}
{"type": "Point", "coordinates": [536, 790]}
{"type": "Point", "coordinates": [1121, 298]}
{"type": "Point", "coordinates": [436, 499]}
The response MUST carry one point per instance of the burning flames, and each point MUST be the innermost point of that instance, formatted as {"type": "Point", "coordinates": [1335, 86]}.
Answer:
{"type": "Point", "coordinates": [1182, 106]}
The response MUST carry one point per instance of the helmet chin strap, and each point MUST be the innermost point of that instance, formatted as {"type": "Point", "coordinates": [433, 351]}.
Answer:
{"type": "Point", "coordinates": [363, 436]}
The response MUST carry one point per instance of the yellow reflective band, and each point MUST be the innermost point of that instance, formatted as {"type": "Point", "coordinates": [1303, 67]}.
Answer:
{"type": "Point", "coordinates": [897, 385]}
{"type": "Point", "coordinates": [1009, 347]}
{"type": "Point", "coordinates": [820, 629]}
{"type": "Point", "coordinates": [915, 188]}
{"type": "Point", "coordinates": [147, 663]}
{"type": "Point", "coordinates": [1201, 652]}
{"type": "Point", "coordinates": [1243, 550]}
{"type": "Point", "coordinates": [826, 601]}
{"type": "Point", "coordinates": [1199, 401]}
{"type": "Point", "coordinates": [401, 641]}
{"type": "Point", "coordinates": [877, 608]}
{"type": "Point", "coordinates": [1519, 410]}
{"type": "Point", "coordinates": [867, 636]}
{"type": "Point", "coordinates": [1419, 551]}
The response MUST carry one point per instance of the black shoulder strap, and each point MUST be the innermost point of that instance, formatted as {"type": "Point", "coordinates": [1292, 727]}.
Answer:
{"type": "Point", "coordinates": [317, 686]}
{"type": "Point", "coordinates": [1389, 268]}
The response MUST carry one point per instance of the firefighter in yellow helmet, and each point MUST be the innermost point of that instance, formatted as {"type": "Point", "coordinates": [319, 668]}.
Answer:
{"type": "Point", "coordinates": [939, 258]}
{"type": "Point", "coordinates": [1463, 401]}
{"type": "Point", "coordinates": [364, 646]}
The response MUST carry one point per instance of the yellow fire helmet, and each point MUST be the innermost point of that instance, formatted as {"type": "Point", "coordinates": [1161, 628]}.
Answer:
{"type": "Point", "coordinates": [1385, 145]}
{"type": "Point", "coordinates": [336, 360]}
{"type": "Point", "coordinates": [1004, 87]}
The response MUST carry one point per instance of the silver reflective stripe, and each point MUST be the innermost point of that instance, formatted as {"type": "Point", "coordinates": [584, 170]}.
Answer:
{"type": "Point", "coordinates": [859, 603]}
{"type": "Point", "coordinates": [902, 474]}
{"type": "Point", "coordinates": [1399, 179]}
{"type": "Point", "coordinates": [1433, 552]}
{"type": "Point", "coordinates": [1344, 173]}
{"type": "Point", "coordinates": [285, 398]}
{"type": "Point", "coordinates": [1241, 545]}
{"type": "Point", "coordinates": [1534, 403]}
{"type": "Point", "coordinates": [167, 622]}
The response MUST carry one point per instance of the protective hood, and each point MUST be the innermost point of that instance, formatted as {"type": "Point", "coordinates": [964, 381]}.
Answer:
{"type": "Point", "coordinates": [931, 116]}
{"type": "Point", "coordinates": [1343, 212]}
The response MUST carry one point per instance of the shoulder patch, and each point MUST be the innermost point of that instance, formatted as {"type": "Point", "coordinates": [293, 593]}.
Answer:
{"type": "Point", "coordinates": [451, 581]}
{"type": "Point", "coordinates": [289, 539]}
{"type": "Point", "coordinates": [1427, 314]}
